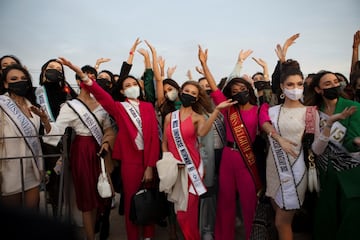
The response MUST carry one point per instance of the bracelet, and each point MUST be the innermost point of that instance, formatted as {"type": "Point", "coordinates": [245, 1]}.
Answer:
{"type": "Point", "coordinates": [131, 53]}
{"type": "Point", "coordinates": [272, 133]}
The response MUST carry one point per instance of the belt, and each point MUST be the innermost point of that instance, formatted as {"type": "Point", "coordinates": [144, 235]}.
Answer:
{"type": "Point", "coordinates": [232, 145]}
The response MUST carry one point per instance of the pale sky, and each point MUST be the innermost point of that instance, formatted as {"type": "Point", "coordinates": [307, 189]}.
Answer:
{"type": "Point", "coordinates": [82, 31]}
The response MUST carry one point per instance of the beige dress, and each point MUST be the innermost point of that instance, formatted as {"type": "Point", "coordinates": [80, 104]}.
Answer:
{"type": "Point", "coordinates": [291, 124]}
{"type": "Point", "coordinates": [16, 147]}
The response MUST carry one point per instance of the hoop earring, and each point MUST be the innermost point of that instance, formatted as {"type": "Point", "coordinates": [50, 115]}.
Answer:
{"type": "Point", "coordinates": [282, 96]}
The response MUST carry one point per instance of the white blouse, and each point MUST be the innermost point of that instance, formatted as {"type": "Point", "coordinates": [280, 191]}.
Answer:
{"type": "Point", "coordinates": [68, 118]}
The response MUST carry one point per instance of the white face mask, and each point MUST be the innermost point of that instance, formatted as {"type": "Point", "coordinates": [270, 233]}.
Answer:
{"type": "Point", "coordinates": [132, 92]}
{"type": "Point", "coordinates": [294, 94]}
{"type": "Point", "coordinates": [172, 95]}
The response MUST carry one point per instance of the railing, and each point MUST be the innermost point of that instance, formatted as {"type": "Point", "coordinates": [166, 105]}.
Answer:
{"type": "Point", "coordinates": [64, 179]}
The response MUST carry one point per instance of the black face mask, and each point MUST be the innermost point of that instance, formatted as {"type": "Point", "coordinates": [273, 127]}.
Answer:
{"type": "Point", "coordinates": [20, 88]}
{"type": "Point", "coordinates": [187, 100]}
{"type": "Point", "coordinates": [54, 76]}
{"type": "Point", "coordinates": [331, 93]}
{"type": "Point", "coordinates": [208, 91]}
{"type": "Point", "coordinates": [104, 84]}
{"type": "Point", "coordinates": [241, 97]}
{"type": "Point", "coordinates": [261, 85]}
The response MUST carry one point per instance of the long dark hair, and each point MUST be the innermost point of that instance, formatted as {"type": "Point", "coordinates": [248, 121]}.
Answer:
{"type": "Point", "coordinates": [312, 98]}
{"type": "Point", "coordinates": [43, 69]}
{"type": "Point", "coordinates": [30, 95]}
{"type": "Point", "coordinates": [203, 104]}
{"type": "Point", "coordinates": [236, 80]}
{"type": "Point", "coordinates": [168, 106]}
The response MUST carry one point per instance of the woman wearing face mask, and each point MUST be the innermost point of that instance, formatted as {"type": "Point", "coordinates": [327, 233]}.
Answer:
{"type": "Point", "coordinates": [50, 95]}
{"type": "Point", "coordinates": [137, 147]}
{"type": "Point", "coordinates": [338, 149]}
{"type": "Point", "coordinates": [90, 123]}
{"type": "Point", "coordinates": [286, 172]}
{"type": "Point", "coordinates": [16, 120]}
{"type": "Point", "coordinates": [6, 61]}
{"type": "Point", "coordinates": [237, 173]}
{"type": "Point", "coordinates": [187, 124]}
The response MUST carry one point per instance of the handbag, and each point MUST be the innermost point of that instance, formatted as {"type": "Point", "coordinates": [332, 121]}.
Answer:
{"type": "Point", "coordinates": [264, 221]}
{"type": "Point", "coordinates": [148, 206]}
{"type": "Point", "coordinates": [104, 185]}
{"type": "Point", "coordinates": [308, 138]}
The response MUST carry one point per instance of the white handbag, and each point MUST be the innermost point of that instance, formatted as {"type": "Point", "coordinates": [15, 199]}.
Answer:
{"type": "Point", "coordinates": [104, 186]}
{"type": "Point", "coordinates": [313, 178]}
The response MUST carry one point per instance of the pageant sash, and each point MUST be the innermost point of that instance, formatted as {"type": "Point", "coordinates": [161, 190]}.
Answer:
{"type": "Point", "coordinates": [290, 175]}
{"type": "Point", "coordinates": [220, 128]}
{"type": "Point", "coordinates": [42, 100]}
{"type": "Point", "coordinates": [134, 116]}
{"type": "Point", "coordinates": [243, 141]}
{"type": "Point", "coordinates": [88, 118]}
{"type": "Point", "coordinates": [24, 126]}
{"type": "Point", "coordinates": [344, 160]}
{"type": "Point", "coordinates": [185, 155]}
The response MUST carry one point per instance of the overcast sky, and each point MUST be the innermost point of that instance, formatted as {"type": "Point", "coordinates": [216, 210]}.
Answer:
{"type": "Point", "coordinates": [82, 31]}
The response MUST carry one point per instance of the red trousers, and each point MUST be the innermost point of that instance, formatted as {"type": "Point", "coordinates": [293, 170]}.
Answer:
{"type": "Point", "coordinates": [188, 220]}
{"type": "Point", "coordinates": [234, 177]}
{"type": "Point", "coordinates": [132, 175]}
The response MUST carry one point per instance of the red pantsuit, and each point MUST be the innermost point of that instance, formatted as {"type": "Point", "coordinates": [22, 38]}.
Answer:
{"type": "Point", "coordinates": [133, 161]}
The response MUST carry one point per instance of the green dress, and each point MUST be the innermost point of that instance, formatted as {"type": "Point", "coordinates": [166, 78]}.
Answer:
{"type": "Point", "coordinates": [337, 214]}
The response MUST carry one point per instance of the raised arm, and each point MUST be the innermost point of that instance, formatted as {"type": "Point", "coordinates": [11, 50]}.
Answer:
{"type": "Point", "coordinates": [355, 52]}
{"type": "Point", "coordinates": [148, 77]}
{"type": "Point", "coordinates": [100, 61]}
{"type": "Point", "coordinates": [132, 51]}
{"type": "Point", "coordinates": [243, 55]}
{"type": "Point", "coordinates": [157, 74]}
{"type": "Point", "coordinates": [204, 126]}
{"type": "Point", "coordinates": [126, 66]}
{"type": "Point", "coordinates": [170, 71]}
{"type": "Point", "coordinates": [203, 60]}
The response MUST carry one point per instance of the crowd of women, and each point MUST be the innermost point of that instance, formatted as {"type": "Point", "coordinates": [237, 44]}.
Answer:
{"type": "Point", "coordinates": [207, 129]}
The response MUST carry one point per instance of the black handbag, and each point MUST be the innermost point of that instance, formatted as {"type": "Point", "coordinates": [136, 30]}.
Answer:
{"type": "Point", "coordinates": [264, 222]}
{"type": "Point", "coordinates": [148, 206]}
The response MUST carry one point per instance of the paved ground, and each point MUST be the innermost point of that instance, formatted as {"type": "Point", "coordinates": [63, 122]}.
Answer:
{"type": "Point", "coordinates": [117, 228]}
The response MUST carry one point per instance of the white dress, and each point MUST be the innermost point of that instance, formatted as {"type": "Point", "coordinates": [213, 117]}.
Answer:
{"type": "Point", "coordinates": [291, 124]}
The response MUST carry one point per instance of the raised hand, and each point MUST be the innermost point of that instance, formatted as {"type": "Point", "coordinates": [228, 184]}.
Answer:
{"type": "Point", "coordinates": [102, 60]}
{"type": "Point", "coordinates": [347, 112]}
{"type": "Point", "coordinates": [261, 62]}
{"type": "Point", "coordinates": [143, 52]}
{"type": "Point", "coordinates": [243, 55]}
{"type": "Point", "coordinates": [170, 71]}
{"type": "Point", "coordinates": [134, 46]}
{"type": "Point", "coordinates": [151, 47]}
{"type": "Point", "coordinates": [290, 41]}
{"type": "Point", "coordinates": [356, 42]}
{"type": "Point", "coordinates": [280, 53]}
{"type": "Point", "coordinates": [225, 104]}
{"type": "Point", "coordinates": [189, 75]}
{"type": "Point", "coordinates": [202, 55]}
{"type": "Point", "coordinates": [199, 70]}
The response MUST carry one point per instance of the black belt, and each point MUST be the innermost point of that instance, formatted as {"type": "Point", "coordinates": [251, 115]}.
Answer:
{"type": "Point", "coordinates": [232, 145]}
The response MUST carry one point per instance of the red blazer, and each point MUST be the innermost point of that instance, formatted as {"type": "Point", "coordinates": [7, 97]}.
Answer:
{"type": "Point", "coordinates": [125, 148]}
